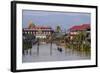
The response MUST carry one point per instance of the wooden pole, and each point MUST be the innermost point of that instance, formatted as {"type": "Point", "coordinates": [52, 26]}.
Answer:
{"type": "Point", "coordinates": [38, 47]}
{"type": "Point", "coordinates": [51, 48]}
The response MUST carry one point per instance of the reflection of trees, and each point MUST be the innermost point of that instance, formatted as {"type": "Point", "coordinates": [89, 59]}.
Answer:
{"type": "Point", "coordinates": [28, 40]}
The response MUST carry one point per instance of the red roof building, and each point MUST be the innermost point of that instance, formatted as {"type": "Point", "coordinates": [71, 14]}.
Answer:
{"type": "Point", "coordinates": [80, 27]}
{"type": "Point", "coordinates": [38, 31]}
{"type": "Point", "coordinates": [74, 29]}
{"type": "Point", "coordinates": [41, 27]}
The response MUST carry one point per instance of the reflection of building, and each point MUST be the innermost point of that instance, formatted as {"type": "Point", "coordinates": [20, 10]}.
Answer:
{"type": "Point", "coordinates": [39, 31]}
{"type": "Point", "coordinates": [74, 30]}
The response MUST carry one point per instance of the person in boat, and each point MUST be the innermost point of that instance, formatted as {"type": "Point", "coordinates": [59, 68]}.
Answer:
{"type": "Point", "coordinates": [59, 49]}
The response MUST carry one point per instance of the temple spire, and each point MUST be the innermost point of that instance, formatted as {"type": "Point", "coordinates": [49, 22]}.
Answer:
{"type": "Point", "coordinates": [31, 24]}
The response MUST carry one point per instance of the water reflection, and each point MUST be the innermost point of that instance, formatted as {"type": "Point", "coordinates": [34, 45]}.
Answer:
{"type": "Point", "coordinates": [55, 53]}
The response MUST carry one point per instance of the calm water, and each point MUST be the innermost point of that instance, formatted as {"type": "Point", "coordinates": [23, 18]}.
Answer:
{"type": "Point", "coordinates": [56, 55]}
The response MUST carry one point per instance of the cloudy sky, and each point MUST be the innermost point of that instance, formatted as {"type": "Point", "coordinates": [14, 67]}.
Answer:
{"type": "Point", "coordinates": [49, 18]}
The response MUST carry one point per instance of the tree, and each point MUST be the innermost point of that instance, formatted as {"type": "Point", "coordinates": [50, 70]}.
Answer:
{"type": "Point", "coordinates": [27, 43]}
{"type": "Point", "coordinates": [80, 39]}
{"type": "Point", "coordinates": [58, 29]}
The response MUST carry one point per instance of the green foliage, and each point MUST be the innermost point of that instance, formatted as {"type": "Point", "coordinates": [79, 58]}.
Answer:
{"type": "Point", "coordinates": [58, 29]}
{"type": "Point", "coordinates": [79, 42]}
{"type": "Point", "coordinates": [27, 44]}
{"type": "Point", "coordinates": [33, 24]}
